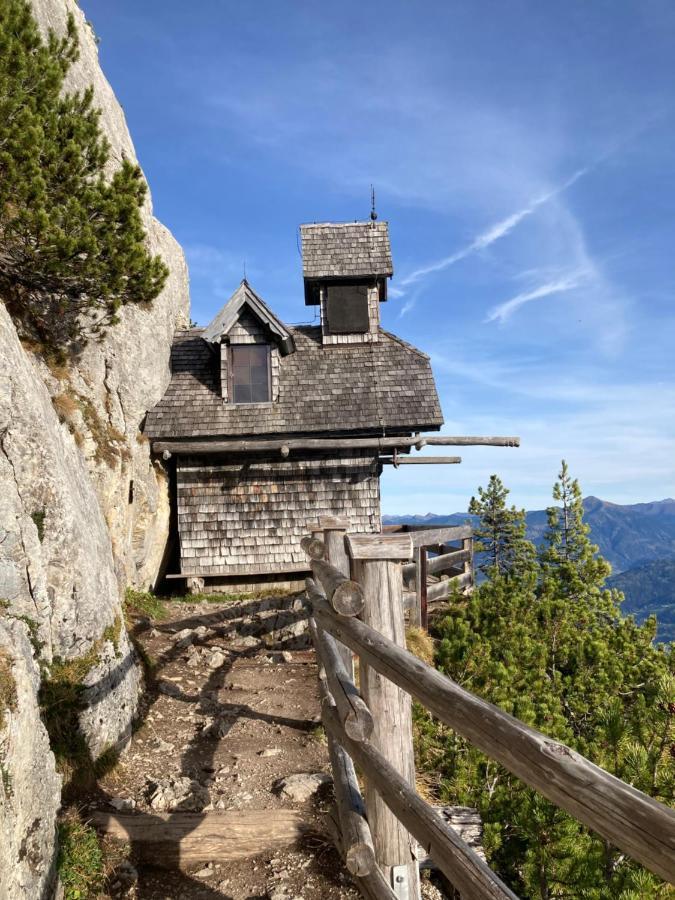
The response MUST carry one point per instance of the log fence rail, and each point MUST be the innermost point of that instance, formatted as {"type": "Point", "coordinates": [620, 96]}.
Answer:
{"type": "Point", "coordinates": [370, 726]}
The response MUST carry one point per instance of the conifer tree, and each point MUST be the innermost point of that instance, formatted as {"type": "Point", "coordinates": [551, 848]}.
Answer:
{"type": "Point", "coordinates": [568, 552]}
{"type": "Point", "coordinates": [72, 243]}
{"type": "Point", "coordinates": [500, 532]}
{"type": "Point", "coordinates": [555, 651]}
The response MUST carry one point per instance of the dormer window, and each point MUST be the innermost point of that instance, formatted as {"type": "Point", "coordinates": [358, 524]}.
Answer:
{"type": "Point", "coordinates": [250, 380]}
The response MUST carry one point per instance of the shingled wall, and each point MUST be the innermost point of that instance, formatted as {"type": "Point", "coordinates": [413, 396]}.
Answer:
{"type": "Point", "coordinates": [245, 518]}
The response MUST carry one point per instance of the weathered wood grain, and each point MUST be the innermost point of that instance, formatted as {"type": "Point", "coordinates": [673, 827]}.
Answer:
{"type": "Point", "coordinates": [344, 595]}
{"type": "Point", "coordinates": [379, 546]}
{"type": "Point", "coordinates": [314, 547]}
{"type": "Point", "coordinates": [462, 865]}
{"type": "Point", "coordinates": [181, 839]}
{"type": "Point", "coordinates": [447, 561]}
{"type": "Point", "coordinates": [441, 590]}
{"type": "Point", "coordinates": [635, 823]}
{"type": "Point", "coordinates": [208, 446]}
{"type": "Point", "coordinates": [421, 460]}
{"type": "Point", "coordinates": [352, 710]}
{"type": "Point", "coordinates": [391, 710]}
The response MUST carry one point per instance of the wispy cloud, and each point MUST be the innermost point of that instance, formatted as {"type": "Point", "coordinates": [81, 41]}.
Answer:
{"type": "Point", "coordinates": [495, 232]}
{"type": "Point", "coordinates": [504, 311]}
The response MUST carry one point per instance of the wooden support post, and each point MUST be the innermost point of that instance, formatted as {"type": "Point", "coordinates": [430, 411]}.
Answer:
{"type": "Point", "coordinates": [422, 589]}
{"type": "Point", "coordinates": [376, 565]}
{"type": "Point", "coordinates": [467, 545]}
{"type": "Point", "coordinates": [334, 530]}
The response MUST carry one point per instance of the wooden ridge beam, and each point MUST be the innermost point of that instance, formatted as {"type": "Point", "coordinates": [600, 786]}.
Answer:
{"type": "Point", "coordinates": [256, 445]}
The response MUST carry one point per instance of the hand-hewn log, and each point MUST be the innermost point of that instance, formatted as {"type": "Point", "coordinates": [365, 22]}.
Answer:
{"type": "Point", "coordinates": [462, 865]}
{"type": "Point", "coordinates": [372, 886]}
{"type": "Point", "coordinates": [445, 440]}
{"type": "Point", "coordinates": [635, 823]}
{"type": "Point", "coordinates": [429, 537]}
{"type": "Point", "coordinates": [379, 546]}
{"type": "Point", "coordinates": [441, 590]}
{"type": "Point", "coordinates": [334, 529]}
{"type": "Point", "coordinates": [420, 461]}
{"type": "Point", "coordinates": [344, 595]}
{"type": "Point", "coordinates": [447, 561]}
{"type": "Point", "coordinates": [390, 707]}
{"type": "Point", "coordinates": [207, 446]}
{"type": "Point", "coordinates": [313, 547]}
{"type": "Point", "coordinates": [181, 839]}
{"type": "Point", "coordinates": [354, 715]}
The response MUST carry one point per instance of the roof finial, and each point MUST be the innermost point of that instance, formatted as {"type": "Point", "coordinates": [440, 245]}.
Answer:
{"type": "Point", "coordinates": [373, 214]}
{"type": "Point", "coordinates": [245, 281]}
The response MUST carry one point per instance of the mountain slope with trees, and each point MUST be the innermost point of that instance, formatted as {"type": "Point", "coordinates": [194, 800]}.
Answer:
{"type": "Point", "coordinates": [543, 638]}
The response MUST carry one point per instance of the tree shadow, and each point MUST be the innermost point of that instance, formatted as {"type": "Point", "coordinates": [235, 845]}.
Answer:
{"type": "Point", "coordinates": [264, 617]}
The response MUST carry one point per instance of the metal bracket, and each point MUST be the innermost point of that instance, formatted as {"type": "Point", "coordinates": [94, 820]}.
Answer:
{"type": "Point", "coordinates": [399, 882]}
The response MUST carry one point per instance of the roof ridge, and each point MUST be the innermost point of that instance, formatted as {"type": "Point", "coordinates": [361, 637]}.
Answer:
{"type": "Point", "coordinates": [406, 344]}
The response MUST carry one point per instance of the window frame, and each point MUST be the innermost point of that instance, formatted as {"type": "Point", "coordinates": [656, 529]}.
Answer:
{"type": "Point", "coordinates": [230, 374]}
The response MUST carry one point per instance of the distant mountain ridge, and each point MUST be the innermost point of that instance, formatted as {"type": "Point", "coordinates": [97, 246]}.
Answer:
{"type": "Point", "coordinates": [627, 535]}
{"type": "Point", "coordinates": [637, 539]}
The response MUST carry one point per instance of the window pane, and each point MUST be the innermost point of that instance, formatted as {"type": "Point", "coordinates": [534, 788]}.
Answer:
{"type": "Point", "coordinates": [250, 373]}
{"type": "Point", "coordinates": [241, 356]}
{"type": "Point", "coordinates": [259, 393]}
{"type": "Point", "coordinates": [242, 393]}
{"type": "Point", "coordinates": [259, 374]}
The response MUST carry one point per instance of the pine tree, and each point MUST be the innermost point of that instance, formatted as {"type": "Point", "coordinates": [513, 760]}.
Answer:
{"type": "Point", "coordinates": [568, 554]}
{"type": "Point", "coordinates": [572, 666]}
{"type": "Point", "coordinates": [500, 532]}
{"type": "Point", "coordinates": [72, 243]}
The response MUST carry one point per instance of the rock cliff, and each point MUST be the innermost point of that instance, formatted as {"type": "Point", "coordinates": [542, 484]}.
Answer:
{"type": "Point", "coordinates": [84, 512]}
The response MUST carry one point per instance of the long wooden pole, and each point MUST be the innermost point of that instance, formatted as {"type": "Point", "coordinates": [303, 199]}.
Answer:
{"type": "Point", "coordinates": [635, 823]}
{"type": "Point", "coordinates": [390, 708]}
{"type": "Point", "coordinates": [189, 447]}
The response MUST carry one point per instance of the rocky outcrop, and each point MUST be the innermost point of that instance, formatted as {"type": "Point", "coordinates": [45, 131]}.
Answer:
{"type": "Point", "coordinates": [116, 382]}
{"type": "Point", "coordinates": [84, 512]}
{"type": "Point", "coordinates": [29, 786]}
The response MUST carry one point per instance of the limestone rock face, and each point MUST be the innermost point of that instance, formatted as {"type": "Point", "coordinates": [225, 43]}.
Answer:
{"type": "Point", "coordinates": [56, 560]}
{"type": "Point", "coordinates": [115, 383]}
{"type": "Point", "coordinates": [84, 512]}
{"type": "Point", "coordinates": [29, 786]}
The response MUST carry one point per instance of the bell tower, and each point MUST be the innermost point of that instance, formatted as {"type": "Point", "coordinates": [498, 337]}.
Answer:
{"type": "Point", "coordinates": [345, 268]}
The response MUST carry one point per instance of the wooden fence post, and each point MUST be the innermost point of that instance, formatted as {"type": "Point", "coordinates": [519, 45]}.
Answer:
{"type": "Point", "coordinates": [333, 531]}
{"type": "Point", "coordinates": [467, 544]}
{"type": "Point", "coordinates": [376, 562]}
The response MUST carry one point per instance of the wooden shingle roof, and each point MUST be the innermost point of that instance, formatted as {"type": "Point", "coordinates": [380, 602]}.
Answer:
{"type": "Point", "coordinates": [385, 385]}
{"type": "Point", "coordinates": [346, 250]}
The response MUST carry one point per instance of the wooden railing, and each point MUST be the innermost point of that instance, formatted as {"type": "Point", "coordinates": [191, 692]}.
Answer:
{"type": "Point", "coordinates": [453, 546]}
{"type": "Point", "coordinates": [356, 599]}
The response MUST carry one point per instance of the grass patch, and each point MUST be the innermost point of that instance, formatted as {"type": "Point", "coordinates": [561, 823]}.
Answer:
{"type": "Point", "coordinates": [7, 687]}
{"type": "Point", "coordinates": [418, 642]}
{"type": "Point", "coordinates": [144, 603]}
{"type": "Point", "coordinates": [80, 860]}
{"type": "Point", "coordinates": [62, 699]}
{"type": "Point", "coordinates": [110, 443]}
{"type": "Point", "coordinates": [266, 594]}
{"type": "Point", "coordinates": [66, 407]}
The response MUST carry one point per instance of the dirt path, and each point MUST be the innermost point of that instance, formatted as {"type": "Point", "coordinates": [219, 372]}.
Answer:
{"type": "Point", "coordinates": [233, 708]}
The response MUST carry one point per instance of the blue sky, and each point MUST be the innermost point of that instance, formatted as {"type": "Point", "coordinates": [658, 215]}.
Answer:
{"type": "Point", "coordinates": [524, 156]}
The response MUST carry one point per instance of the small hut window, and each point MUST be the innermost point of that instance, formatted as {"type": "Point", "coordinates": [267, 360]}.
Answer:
{"type": "Point", "coordinates": [250, 373]}
{"type": "Point", "coordinates": [347, 309]}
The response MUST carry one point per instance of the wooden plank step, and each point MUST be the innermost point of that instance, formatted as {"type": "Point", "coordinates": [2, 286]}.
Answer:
{"type": "Point", "coordinates": [182, 839]}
